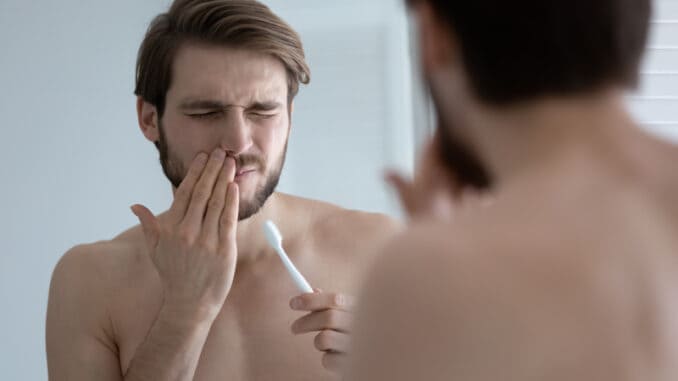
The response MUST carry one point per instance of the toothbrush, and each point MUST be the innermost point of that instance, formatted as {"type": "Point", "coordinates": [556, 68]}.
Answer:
{"type": "Point", "coordinates": [274, 239]}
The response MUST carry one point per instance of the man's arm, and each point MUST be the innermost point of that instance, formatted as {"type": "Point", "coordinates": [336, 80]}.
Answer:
{"type": "Point", "coordinates": [172, 348]}
{"type": "Point", "coordinates": [194, 252]}
{"type": "Point", "coordinates": [79, 344]}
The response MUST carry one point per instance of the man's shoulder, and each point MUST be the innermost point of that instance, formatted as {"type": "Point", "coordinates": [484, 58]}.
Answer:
{"type": "Point", "coordinates": [486, 246]}
{"type": "Point", "coordinates": [85, 283]}
{"type": "Point", "coordinates": [355, 223]}
{"type": "Point", "coordinates": [331, 226]}
{"type": "Point", "coordinates": [492, 281]}
{"type": "Point", "coordinates": [491, 257]}
{"type": "Point", "coordinates": [98, 263]}
{"type": "Point", "coordinates": [334, 222]}
{"type": "Point", "coordinates": [327, 218]}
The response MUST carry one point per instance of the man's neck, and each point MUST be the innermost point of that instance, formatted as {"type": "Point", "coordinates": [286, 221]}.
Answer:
{"type": "Point", "coordinates": [517, 140]}
{"type": "Point", "coordinates": [252, 243]}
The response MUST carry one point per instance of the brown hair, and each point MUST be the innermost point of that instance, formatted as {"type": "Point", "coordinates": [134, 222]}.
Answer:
{"type": "Point", "coordinates": [516, 51]}
{"type": "Point", "coordinates": [245, 24]}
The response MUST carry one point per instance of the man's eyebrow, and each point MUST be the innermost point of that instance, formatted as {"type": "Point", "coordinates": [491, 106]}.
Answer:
{"type": "Point", "coordinates": [265, 105]}
{"type": "Point", "coordinates": [209, 104]}
{"type": "Point", "coordinates": [201, 104]}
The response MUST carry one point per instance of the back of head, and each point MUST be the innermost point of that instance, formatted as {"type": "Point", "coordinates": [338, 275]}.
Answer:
{"type": "Point", "coordinates": [519, 50]}
{"type": "Point", "coordinates": [243, 24]}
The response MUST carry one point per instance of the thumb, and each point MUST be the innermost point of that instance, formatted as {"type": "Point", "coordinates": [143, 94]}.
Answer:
{"type": "Point", "coordinates": [149, 224]}
{"type": "Point", "coordinates": [405, 192]}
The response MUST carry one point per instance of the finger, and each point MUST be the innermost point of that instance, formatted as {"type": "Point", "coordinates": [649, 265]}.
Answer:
{"type": "Point", "coordinates": [203, 191]}
{"type": "Point", "coordinates": [215, 206]}
{"type": "Point", "coordinates": [336, 320]}
{"type": "Point", "coordinates": [333, 341]}
{"type": "Point", "coordinates": [334, 362]}
{"type": "Point", "coordinates": [149, 225]}
{"type": "Point", "coordinates": [321, 301]}
{"type": "Point", "coordinates": [442, 205]}
{"type": "Point", "coordinates": [182, 196]}
{"type": "Point", "coordinates": [405, 190]}
{"type": "Point", "coordinates": [228, 223]}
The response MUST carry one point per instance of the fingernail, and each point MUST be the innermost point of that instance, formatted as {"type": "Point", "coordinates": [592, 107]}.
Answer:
{"type": "Point", "coordinates": [297, 303]}
{"type": "Point", "coordinates": [202, 157]}
{"type": "Point", "coordinates": [339, 300]}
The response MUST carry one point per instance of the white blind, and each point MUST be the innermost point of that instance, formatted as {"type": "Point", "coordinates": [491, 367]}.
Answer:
{"type": "Point", "coordinates": [655, 104]}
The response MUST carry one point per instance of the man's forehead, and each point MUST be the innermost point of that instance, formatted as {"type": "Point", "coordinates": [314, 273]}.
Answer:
{"type": "Point", "coordinates": [233, 76]}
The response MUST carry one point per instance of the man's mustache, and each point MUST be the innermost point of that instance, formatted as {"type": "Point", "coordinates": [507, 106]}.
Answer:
{"type": "Point", "coordinates": [248, 160]}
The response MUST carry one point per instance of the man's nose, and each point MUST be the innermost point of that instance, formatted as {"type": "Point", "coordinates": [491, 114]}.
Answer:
{"type": "Point", "coordinates": [236, 134]}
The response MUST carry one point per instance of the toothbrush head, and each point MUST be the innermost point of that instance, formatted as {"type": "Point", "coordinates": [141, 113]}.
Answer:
{"type": "Point", "coordinates": [272, 234]}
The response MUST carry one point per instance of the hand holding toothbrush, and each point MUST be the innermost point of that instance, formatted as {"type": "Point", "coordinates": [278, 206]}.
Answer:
{"type": "Point", "coordinates": [330, 316]}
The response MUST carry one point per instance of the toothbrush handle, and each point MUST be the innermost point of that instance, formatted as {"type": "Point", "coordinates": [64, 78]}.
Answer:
{"type": "Point", "coordinates": [299, 280]}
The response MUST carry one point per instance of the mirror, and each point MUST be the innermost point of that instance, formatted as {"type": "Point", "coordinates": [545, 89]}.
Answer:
{"type": "Point", "coordinates": [75, 159]}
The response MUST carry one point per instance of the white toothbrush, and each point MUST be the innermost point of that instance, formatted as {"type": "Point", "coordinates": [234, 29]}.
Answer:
{"type": "Point", "coordinates": [274, 239]}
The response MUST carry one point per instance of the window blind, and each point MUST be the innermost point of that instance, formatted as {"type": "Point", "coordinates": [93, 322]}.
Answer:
{"type": "Point", "coordinates": [655, 103]}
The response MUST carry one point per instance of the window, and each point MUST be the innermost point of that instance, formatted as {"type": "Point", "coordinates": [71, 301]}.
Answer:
{"type": "Point", "coordinates": [655, 104]}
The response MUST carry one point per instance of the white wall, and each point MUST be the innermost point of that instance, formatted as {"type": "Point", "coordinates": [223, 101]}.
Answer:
{"type": "Point", "coordinates": [73, 159]}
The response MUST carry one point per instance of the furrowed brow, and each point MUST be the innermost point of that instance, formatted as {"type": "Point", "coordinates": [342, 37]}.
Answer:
{"type": "Point", "coordinates": [201, 104]}
{"type": "Point", "coordinates": [265, 106]}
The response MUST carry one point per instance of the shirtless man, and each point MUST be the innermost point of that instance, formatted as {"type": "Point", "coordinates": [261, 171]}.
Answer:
{"type": "Point", "coordinates": [571, 273]}
{"type": "Point", "coordinates": [195, 293]}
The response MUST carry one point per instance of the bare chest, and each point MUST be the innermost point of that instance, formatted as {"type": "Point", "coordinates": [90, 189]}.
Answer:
{"type": "Point", "coordinates": [251, 339]}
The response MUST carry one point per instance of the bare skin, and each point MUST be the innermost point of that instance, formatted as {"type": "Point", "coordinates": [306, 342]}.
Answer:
{"type": "Point", "coordinates": [193, 294]}
{"type": "Point", "coordinates": [98, 332]}
{"type": "Point", "coordinates": [570, 272]}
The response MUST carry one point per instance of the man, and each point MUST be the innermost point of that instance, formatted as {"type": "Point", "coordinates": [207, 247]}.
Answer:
{"type": "Point", "coordinates": [195, 293]}
{"type": "Point", "coordinates": [570, 272]}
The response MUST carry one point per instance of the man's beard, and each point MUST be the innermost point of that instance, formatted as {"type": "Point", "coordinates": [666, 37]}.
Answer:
{"type": "Point", "coordinates": [175, 172]}
{"type": "Point", "coordinates": [462, 161]}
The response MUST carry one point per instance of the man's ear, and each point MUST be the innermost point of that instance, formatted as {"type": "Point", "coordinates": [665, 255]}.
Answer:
{"type": "Point", "coordinates": [147, 115]}
{"type": "Point", "coordinates": [438, 44]}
